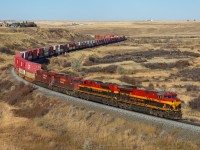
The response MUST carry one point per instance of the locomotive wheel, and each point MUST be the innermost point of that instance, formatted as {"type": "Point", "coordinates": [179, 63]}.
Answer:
{"type": "Point", "coordinates": [127, 106]}
{"type": "Point", "coordinates": [114, 103]}
{"type": "Point", "coordinates": [105, 101]}
{"type": "Point", "coordinates": [120, 105]}
{"type": "Point", "coordinates": [151, 112]}
{"type": "Point", "coordinates": [160, 114]}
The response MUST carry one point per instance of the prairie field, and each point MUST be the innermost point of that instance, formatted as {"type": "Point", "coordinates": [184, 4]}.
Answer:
{"type": "Point", "coordinates": [156, 55]}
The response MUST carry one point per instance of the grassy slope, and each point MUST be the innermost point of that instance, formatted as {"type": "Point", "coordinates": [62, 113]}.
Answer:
{"type": "Point", "coordinates": [55, 125]}
{"type": "Point", "coordinates": [47, 123]}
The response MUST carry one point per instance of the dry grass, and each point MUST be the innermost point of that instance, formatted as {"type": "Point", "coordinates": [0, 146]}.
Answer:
{"type": "Point", "coordinates": [46, 123]}
{"type": "Point", "coordinates": [66, 126]}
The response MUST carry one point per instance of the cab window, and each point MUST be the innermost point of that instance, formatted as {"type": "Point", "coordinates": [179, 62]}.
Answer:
{"type": "Point", "coordinates": [167, 96]}
{"type": "Point", "coordinates": [173, 96]}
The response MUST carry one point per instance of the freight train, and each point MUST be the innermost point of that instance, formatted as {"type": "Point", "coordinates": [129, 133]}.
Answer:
{"type": "Point", "coordinates": [158, 103]}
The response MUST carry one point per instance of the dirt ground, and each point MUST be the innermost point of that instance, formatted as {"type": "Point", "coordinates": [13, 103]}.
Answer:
{"type": "Point", "coordinates": [157, 55]}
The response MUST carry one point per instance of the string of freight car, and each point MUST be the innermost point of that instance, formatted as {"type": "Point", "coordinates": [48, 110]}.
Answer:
{"type": "Point", "coordinates": [159, 103]}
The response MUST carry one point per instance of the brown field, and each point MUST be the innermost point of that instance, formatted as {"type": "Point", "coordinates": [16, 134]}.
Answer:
{"type": "Point", "coordinates": [157, 55]}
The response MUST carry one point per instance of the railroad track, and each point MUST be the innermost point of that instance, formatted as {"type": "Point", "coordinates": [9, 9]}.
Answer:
{"type": "Point", "coordinates": [129, 115]}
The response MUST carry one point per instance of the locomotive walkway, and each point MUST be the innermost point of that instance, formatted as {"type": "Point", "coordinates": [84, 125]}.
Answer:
{"type": "Point", "coordinates": [184, 127]}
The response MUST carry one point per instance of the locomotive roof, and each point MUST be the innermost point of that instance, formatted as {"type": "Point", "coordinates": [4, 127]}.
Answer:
{"type": "Point", "coordinates": [127, 86]}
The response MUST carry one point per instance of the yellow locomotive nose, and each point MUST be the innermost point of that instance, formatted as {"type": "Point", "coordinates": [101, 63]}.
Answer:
{"type": "Point", "coordinates": [176, 105]}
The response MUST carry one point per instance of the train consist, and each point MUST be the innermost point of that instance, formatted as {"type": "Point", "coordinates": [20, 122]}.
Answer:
{"type": "Point", "coordinates": [159, 103]}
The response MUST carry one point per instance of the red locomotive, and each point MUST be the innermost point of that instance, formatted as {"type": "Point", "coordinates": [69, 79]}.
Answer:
{"type": "Point", "coordinates": [158, 103]}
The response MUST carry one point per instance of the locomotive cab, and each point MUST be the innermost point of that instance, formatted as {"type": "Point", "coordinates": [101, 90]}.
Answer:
{"type": "Point", "coordinates": [172, 101]}
{"type": "Point", "coordinates": [172, 104]}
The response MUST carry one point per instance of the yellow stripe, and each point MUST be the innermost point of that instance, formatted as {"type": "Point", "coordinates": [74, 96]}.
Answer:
{"type": "Point", "coordinates": [156, 100]}
{"type": "Point", "coordinates": [99, 89]}
{"type": "Point", "coordinates": [94, 94]}
{"type": "Point", "coordinates": [141, 98]}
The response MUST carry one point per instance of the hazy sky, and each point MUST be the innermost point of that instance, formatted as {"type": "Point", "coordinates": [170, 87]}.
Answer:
{"type": "Point", "coordinates": [116, 10]}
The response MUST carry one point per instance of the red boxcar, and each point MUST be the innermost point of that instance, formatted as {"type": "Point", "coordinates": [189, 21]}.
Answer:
{"type": "Point", "coordinates": [46, 51]}
{"type": "Point", "coordinates": [66, 48]}
{"type": "Point", "coordinates": [17, 61]}
{"type": "Point", "coordinates": [28, 54]}
{"type": "Point", "coordinates": [32, 67]}
{"type": "Point", "coordinates": [61, 49]}
{"type": "Point", "coordinates": [22, 63]}
{"type": "Point", "coordinates": [56, 48]}
{"type": "Point", "coordinates": [34, 51]}
{"type": "Point", "coordinates": [40, 52]}
{"type": "Point", "coordinates": [30, 70]}
{"type": "Point", "coordinates": [51, 51]}
{"type": "Point", "coordinates": [70, 46]}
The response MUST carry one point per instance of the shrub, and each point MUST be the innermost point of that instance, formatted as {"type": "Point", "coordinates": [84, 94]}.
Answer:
{"type": "Point", "coordinates": [88, 63]}
{"type": "Point", "coordinates": [76, 64]}
{"type": "Point", "coordinates": [151, 86]}
{"type": "Point", "coordinates": [7, 51]}
{"type": "Point", "coordinates": [191, 88]}
{"type": "Point", "coordinates": [108, 69]}
{"type": "Point", "coordinates": [44, 111]}
{"type": "Point", "coordinates": [121, 70]}
{"type": "Point", "coordinates": [3, 68]}
{"type": "Point", "coordinates": [88, 145]}
{"type": "Point", "coordinates": [179, 64]}
{"type": "Point", "coordinates": [16, 94]}
{"type": "Point", "coordinates": [92, 59]}
{"type": "Point", "coordinates": [66, 64]}
{"type": "Point", "coordinates": [89, 114]}
{"type": "Point", "coordinates": [129, 80]}
{"type": "Point", "coordinates": [141, 56]}
{"type": "Point", "coordinates": [6, 84]}
{"type": "Point", "coordinates": [2, 60]}
{"type": "Point", "coordinates": [195, 103]}
{"type": "Point", "coordinates": [73, 74]}
{"type": "Point", "coordinates": [190, 74]}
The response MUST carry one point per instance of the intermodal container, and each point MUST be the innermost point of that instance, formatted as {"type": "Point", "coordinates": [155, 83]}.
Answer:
{"type": "Point", "coordinates": [46, 51]}
{"type": "Point", "coordinates": [51, 51]}
{"type": "Point", "coordinates": [34, 54]}
{"type": "Point", "coordinates": [22, 71]}
{"type": "Point", "coordinates": [32, 67]}
{"type": "Point", "coordinates": [29, 76]}
{"type": "Point", "coordinates": [40, 52]}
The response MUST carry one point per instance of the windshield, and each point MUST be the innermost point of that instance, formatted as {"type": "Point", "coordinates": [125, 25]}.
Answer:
{"type": "Point", "coordinates": [169, 96]}
{"type": "Point", "coordinates": [173, 96]}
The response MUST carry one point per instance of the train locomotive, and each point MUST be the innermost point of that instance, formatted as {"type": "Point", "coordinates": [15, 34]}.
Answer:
{"type": "Point", "coordinates": [158, 103]}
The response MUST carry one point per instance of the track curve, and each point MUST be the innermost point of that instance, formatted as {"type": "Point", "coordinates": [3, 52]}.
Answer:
{"type": "Point", "coordinates": [129, 115]}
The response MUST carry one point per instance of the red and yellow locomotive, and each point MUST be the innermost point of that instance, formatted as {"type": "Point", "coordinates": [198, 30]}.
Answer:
{"type": "Point", "coordinates": [158, 103]}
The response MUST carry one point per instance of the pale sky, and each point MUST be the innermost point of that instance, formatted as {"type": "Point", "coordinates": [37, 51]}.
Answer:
{"type": "Point", "coordinates": [99, 10]}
